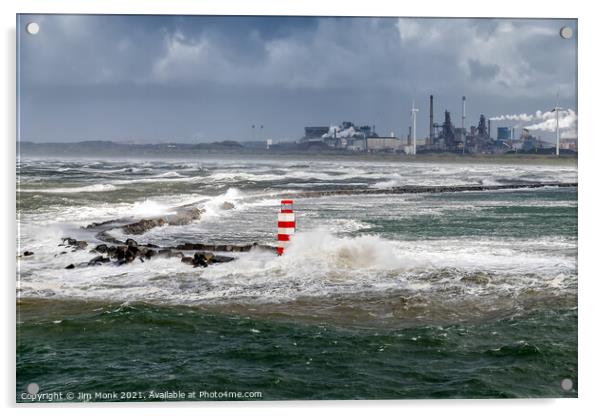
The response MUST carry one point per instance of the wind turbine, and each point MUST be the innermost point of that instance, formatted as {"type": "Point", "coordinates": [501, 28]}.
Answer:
{"type": "Point", "coordinates": [414, 111]}
{"type": "Point", "coordinates": [557, 109]}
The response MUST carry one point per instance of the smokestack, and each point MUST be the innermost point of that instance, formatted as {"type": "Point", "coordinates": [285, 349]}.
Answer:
{"type": "Point", "coordinates": [463, 117]}
{"type": "Point", "coordinates": [489, 127]}
{"type": "Point", "coordinates": [431, 134]}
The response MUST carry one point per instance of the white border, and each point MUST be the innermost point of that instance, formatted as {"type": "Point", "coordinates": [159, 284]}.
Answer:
{"type": "Point", "coordinates": [590, 344]}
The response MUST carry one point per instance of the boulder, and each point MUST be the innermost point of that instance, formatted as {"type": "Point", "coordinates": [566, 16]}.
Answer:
{"type": "Point", "coordinates": [72, 242]}
{"type": "Point", "coordinates": [98, 260]}
{"type": "Point", "coordinates": [221, 259]}
{"type": "Point", "coordinates": [203, 258]}
{"type": "Point", "coordinates": [101, 248]}
{"type": "Point", "coordinates": [208, 256]}
{"type": "Point", "coordinates": [120, 252]}
{"type": "Point", "coordinates": [187, 260]}
{"type": "Point", "coordinates": [71, 266]}
{"type": "Point", "coordinates": [130, 253]}
{"type": "Point", "coordinates": [131, 242]}
{"type": "Point", "coordinates": [185, 217]}
{"type": "Point", "coordinates": [126, 253]}
{"type": "Point", "coordinates": [112, 251]}
{"type": "Point", "coordinates": [191, 246]}
{"type": "Point", "coordinates": [199, 259]}
{"type": "Point", "coordinates": [227, 205]}
{"type": "Point", "coordinates": [68, 241]}
{"type": "Point", "coordinates": [143, 226]}
{"type": "Point", "coordinates": [99, 224]}
{"type": "Point", "coordinates": [165, 253]}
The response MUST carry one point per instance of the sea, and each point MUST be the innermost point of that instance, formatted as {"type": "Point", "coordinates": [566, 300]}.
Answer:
{"type": "Point", "coordinates": [379, 296]}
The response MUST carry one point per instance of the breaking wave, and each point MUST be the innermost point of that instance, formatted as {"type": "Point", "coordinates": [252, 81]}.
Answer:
{"type": "Point", "coordinates": [74, 190]}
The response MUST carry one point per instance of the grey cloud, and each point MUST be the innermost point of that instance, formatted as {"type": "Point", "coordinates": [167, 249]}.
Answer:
{"type": "Point", "coordinates": [219, 78]}
{"type": "Point", "coordinates": [508, 57]}
{"type": "Point", "coordinates": [479, 71]}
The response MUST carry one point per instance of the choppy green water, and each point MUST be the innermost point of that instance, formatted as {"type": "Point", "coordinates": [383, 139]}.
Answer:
{"type": "Point", "coordinates": [458, 295]}
{"type": "Point", "coordinates": [142, 348]}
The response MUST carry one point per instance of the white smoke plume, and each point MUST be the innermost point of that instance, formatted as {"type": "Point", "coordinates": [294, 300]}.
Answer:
{"type": "Point", "coordinates": [513, 117]}
{"type": "Point", "coordinates": [544, 121]}
{"type": "Point", "coordinates": [340, 133]}
{"type": "Point", "coordinates": [567, 119]}
{"type": "Point", "coordinates": [568, 134]}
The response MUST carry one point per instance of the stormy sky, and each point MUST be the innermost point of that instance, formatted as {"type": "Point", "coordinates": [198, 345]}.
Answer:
{"type": "Point", "coordinates": [206, 78]}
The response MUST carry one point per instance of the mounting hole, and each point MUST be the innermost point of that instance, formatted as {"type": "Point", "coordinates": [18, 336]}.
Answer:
{"type": "Point", "coordinates": [33, 388]}
{"type": "Point", "coordinates": [566, 384]}
{"type": "Point", "coordinates": [32, 28]}
{"type": "Point", "coordinates": [566, 32]}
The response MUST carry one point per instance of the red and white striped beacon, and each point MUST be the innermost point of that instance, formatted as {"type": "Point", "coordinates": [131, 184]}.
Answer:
{"type": "Point", "coordinates": [286, 224]}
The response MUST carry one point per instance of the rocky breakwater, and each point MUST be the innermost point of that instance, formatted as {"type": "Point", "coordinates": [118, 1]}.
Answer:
{"type": "Point", "coordinates": [194, 254]}
{"type": "Point", "coordinates": [183, 216]}
{"type": "Point", "coordinates": [118, 253]}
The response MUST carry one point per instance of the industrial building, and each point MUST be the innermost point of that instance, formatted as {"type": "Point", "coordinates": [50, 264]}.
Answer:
{"type": "Point", "coordinates": [442, 137]}
{"type": "Point", "coordinates": [528, 142]}
{"type": "Point", "coordinates": [348, 136]}
{"type": "Point", "coordinates": [383, 144]}
{"type": "Point", "coordinates": [446, 137]}
{"type": "Point", "coordinates": [505, 133]}
{"type": "Point", "coordinates": [315, 133]}
{"type": "Point", "coordinates": [569, 144]}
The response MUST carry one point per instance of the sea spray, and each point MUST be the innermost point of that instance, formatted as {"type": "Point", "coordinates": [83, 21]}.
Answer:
{"type": "Point", "coordinates": [216, 206]}
{"type": "Point", "coordinates": [364, 252]}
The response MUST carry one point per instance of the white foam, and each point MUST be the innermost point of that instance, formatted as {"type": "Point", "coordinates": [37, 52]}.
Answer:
{"type": "Point", "coordinates": [316, 263]}
{"type": "Point", "coordinates": [214, 208]}
{"type": "Point", "coordinates": [323, 262]}
{"type": "Point", "coordinates": [88, 188]}
{"type": "Point", "coordinates": [84, 215]}
{"type": "Point", "coordinates": [170, 174]}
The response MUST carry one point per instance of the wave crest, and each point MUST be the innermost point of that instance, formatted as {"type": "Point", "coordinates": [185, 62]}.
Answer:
{"type": "Point", "coordinates": [90, 188]}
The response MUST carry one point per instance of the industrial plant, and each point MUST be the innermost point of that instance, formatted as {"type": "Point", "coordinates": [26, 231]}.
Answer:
{"type": "Point", "coordinates": [443, 137]}
{"type": "Point", "coordinates": [348, 136]}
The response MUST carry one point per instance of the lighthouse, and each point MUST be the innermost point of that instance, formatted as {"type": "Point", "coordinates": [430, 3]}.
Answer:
{"type": "Point", "coordinates": [286, 224]}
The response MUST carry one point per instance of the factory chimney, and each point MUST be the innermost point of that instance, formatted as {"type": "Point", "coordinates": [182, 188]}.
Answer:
{"type": "Point", "coordinates": [463, 118]}
{"type": "Point", "coordinates": [431, 123]}
{"type": "Point", "coordinates": [488, 127]}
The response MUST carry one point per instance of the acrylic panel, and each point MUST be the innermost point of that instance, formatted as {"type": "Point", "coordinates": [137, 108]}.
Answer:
{"type": "Point", "coordinates": [295, 208]}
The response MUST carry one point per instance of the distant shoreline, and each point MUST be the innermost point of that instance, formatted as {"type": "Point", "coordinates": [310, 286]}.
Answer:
{"type": "Point", "coordinates": [228, 150]}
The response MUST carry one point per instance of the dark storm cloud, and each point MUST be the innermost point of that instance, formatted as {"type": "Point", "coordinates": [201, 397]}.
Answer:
{"type": "Point", "coordinates": [150, 78]}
